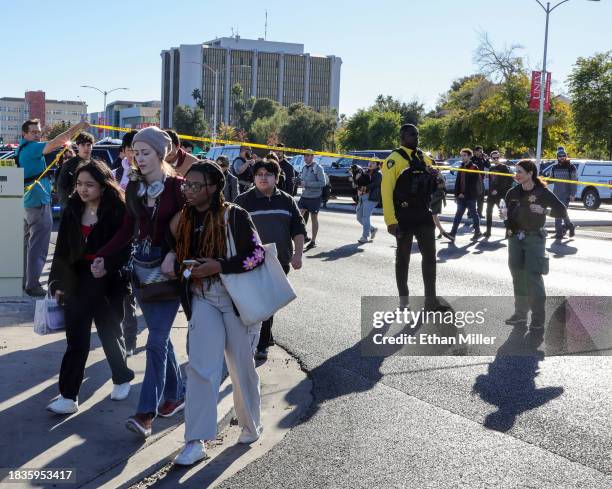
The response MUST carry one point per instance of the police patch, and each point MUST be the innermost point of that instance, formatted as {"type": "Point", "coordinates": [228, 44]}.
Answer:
{"type": "Point", "coordinates": [390, 163]}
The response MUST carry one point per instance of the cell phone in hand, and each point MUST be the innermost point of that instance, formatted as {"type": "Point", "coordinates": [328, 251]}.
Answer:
{"type": "Point", "coordinates": [190, 263]}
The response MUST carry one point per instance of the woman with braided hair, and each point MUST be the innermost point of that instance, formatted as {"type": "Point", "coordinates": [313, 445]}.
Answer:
{"type": "Point", "coordinates": [215, 328]}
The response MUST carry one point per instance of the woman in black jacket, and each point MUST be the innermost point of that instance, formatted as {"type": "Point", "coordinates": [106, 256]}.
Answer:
{"type": "Point", "coordinates": [92, 216]}
{"type": "Point", "coordinates": [215, 327]}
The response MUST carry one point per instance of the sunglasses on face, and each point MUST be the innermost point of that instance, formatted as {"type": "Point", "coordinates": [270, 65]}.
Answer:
{"type": "Point", "coordinates": [195, 186]}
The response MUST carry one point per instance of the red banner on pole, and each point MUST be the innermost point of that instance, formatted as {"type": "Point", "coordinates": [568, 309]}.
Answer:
{"type": "Point", "coordinates": [536, 87]}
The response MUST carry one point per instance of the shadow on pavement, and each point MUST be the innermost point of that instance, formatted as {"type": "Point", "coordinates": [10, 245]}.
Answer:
{"type": "Point", "coordinates": [344, 251]}
{"type": "Point", "coordinates": [509, 383]}
{"type": "Point", "coordinates": [560, 249]}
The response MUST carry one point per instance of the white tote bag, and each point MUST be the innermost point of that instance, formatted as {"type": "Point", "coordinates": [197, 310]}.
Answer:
{"type": "Point", "coordinates": [48, 316]}
{"type": "Point", "coordinates": [260, 292]}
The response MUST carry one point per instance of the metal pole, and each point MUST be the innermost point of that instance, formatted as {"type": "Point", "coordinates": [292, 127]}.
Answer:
{"type": "Point", "coordinates": [542, 93]}
{"type": "Point", "coordinates": [105, 120]}
{"type": "Point", "coordinates": [216, 105]}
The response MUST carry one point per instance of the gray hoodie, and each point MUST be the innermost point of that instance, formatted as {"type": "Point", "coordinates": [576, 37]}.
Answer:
{"type": "Point", "coordinates": [313, 179]}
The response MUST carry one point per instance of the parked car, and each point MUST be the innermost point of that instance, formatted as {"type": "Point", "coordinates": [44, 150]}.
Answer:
{"type": "Point", "coordinates": [590, 171]}
{"type": "Point", "coordinates": [451, 175]}
{"type": "Point", "coordinates": [341, 177]}
{"type": "Point", "coordinates": [231, 151]}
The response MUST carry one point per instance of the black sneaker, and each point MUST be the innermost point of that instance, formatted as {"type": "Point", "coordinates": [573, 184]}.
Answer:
{"type": "Point", "coordinates": [572, 230]}
{"type": "Point", "coordinates": [306, 239]}
{"type": "Point", "coordinates": [487, 234]}
{"type": "Point", "coordinates": [37, 291]}
{"type": "Point", "coordinates": [477, 236]}
{"type": "Point", "coordinates": [517, 321]}
{"type": "Point", "coordinates": [261, 354]}
{"type": "Point", "coordinates": [310, 245]}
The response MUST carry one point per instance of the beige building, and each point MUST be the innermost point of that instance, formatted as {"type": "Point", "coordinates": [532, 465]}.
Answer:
{"type": "Point", "coordinates": [15, 111]}
{"type": "Point", "coordinates": [264, 69]}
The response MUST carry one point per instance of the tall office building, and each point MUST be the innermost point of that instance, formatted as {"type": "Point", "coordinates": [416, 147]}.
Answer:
{"type": "Point", "coordinates": [264, 69]}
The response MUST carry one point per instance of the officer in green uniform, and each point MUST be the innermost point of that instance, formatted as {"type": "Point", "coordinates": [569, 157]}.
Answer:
{"type": "Point", "coordinates": [527, 206]}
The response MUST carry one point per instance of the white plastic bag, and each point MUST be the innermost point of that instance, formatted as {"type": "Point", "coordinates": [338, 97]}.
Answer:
{"type": "Point", "coordinates": [48, 316]}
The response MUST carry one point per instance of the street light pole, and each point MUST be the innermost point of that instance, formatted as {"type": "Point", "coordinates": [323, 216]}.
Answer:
{"type": "Point", "coordinates": [216, 96]}
{"type": "Point", "coordinates": [543, 79]}
{"type": "Point", "coordinates": [105, 93]}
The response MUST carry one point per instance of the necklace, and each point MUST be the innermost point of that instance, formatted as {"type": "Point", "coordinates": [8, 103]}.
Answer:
{"type": "Point", "coordinates": [93, 211]}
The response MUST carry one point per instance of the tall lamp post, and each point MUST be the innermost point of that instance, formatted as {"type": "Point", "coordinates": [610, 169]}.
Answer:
{"type": "Point", "coordinates": [548, 9]}
{"type": "Point", "coordinates": [105, 93]}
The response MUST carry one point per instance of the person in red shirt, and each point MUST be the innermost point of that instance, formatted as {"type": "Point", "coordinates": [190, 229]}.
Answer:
{"type": "Point", "coordinates": [92, 216]}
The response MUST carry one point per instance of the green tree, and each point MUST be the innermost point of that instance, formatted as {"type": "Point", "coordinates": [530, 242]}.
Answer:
{"type": "Point", "coordinates": [410, 113]}
{"type": "Point", "coordinates": [590, 86]}
{"type": "Point", "coordinates": [227, 132]}
{"type": "Point", "coordinates": [242, 107]}
{"type": "Point", "coordinates": [265, 129]}
{"type": "Point", "coordinates": [56, 129]}
{"type": "Point", "coordinates": [197, 96]}
{"type": "Point", "coordinates": [306, 128]}
{"type": "Point", "coordinates": [189, 121]}
{"type": "Point", "coordinates": [370, 129]}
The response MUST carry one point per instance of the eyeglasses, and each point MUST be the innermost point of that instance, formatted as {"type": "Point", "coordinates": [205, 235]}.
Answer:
{"type": "Point", "coordinates": [195, 186]}
{"type": "Point", "coordinates": [265, 175]}
{"type": "Point", "coordinates": [495, 157]}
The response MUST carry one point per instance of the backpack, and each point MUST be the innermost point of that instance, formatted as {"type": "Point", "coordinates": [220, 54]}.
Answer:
{"type": "Point", "coordinates": [413, 188]}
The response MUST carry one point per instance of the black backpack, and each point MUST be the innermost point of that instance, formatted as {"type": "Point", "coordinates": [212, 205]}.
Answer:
{"type": "Point", "coordinates": [413, 188]}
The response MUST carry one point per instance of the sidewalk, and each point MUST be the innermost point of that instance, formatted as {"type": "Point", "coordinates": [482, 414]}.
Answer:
{"type": "Point", "coordinates": [94, 441]}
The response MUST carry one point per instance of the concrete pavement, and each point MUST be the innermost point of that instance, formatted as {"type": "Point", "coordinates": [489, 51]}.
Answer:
{"type": "Point", "coordinates": [94, 441]}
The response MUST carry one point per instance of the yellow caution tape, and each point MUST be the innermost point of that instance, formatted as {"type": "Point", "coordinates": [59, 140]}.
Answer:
{"type": "Point", "coordinates": [339, 155]}
{"type": "Point", "coordinates": [29, 188]}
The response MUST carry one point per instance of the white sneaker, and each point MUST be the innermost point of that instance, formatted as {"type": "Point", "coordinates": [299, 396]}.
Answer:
{"type": "Point", "coordinates": [120, 391]}
{"type": "Point", "coordinates": [63, 406]}
{"type": "Point", "coordinates": [247, 437]}
{"type": "Point", "coordinates": [373, 232]}
{"type": "Point", "coordinates": [192, 452]}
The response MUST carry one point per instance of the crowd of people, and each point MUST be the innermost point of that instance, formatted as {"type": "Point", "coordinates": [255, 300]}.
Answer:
{"type": "Point", "coordinates": [164, 227]}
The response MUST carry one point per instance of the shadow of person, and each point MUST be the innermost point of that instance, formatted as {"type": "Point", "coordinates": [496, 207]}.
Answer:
{"type": "Point", "coordinates": [486, 245]}
{"type": "Point", "coordinates": [359, 368]}
{"type": "Point", "coordinates": [560, 249]}
{"type": "Point", "coordinates": [509, 383]}
{"type": "Point", "coordinates": [344, 251]}
{"type": "Point", "coordinates": [454, 252]}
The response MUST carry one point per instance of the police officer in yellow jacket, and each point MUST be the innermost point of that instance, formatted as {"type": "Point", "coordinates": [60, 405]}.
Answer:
{"type": "Point", "coordinates": [406, 196]}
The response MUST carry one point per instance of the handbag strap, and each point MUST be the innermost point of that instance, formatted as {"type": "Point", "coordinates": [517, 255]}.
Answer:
{"type": "Point", "coordinates": [230, 244]}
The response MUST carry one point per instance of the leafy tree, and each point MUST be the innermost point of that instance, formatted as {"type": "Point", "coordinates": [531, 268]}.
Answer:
{"type": "Point", "coordinates": [197, 96]}
{"type": "Point", "coordinates": [242, 107]}
{"type": "Point", "coordinates": [371, 129]}
{"type": "Point", "coordinates": [590, 86]}
{"type": "Point", "coordinates": [410, 113]}
{"type": "Point", "coordinates": [56, 129]}
{"type": "Point", "coordinates": [227, 132]}
{"type": "Point", "coordinates": [306, 128]}
{"type": "Point", "coordinates": [189, 121]}
{"type": "Point", "coordinates": [266, 128]}
{"type": "Point", "coordinates": [263, 108]}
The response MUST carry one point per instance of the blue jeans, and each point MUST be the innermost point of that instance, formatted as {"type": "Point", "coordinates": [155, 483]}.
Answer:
{"type": "Point", "coordinates": [162, 378]}
{"type": "Point", "coordinates": [364, 211]}
{"type": "Point", "coordinates": [462, 205]}
{"type": "Point", "coordinates": [559, 221]}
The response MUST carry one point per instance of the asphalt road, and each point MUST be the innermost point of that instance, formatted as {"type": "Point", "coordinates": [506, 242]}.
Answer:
{"type": "Point", "coordinates": [437, 421]}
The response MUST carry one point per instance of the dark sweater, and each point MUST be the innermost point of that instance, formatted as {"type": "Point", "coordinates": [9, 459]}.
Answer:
{"type": "Point", "coordinates": [249, 252]}
{"type": "Point", "coordinates": [521, 218]}
{"type": "Point", "coordinates": [277, 218]}
{"type": "Point", "coordinates": [171, 202]}
{"type": "Point", "coordinates": [71, 248]}
{"type": "Point", "coordinates": [468, 183]}
{"type": "Point", "coordinates": [499, 183]}
{"type": "Point", "coordinates": [289, 183]}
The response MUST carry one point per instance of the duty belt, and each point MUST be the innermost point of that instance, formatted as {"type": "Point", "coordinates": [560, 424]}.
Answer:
{"type": "Point", "coordinates": [520, 233]}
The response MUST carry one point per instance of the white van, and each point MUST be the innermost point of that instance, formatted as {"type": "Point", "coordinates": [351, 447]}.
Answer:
{"type": "Point", "coordinates": [590, 171]}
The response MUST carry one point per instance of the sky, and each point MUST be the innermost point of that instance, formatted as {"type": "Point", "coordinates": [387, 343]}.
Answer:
{"type": "Point", "coordinates": [410, 49]}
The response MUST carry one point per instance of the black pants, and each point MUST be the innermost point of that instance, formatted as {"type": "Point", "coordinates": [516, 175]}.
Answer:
{"type": "Point", "coordinates": [97, 301]}
{"type": "Point", "coordinates": [480, 204]}
{"type": "Point", "coordinates": [426, 238]}
{"type": "Point", "coordinates": [265, 337]}
{"type": "Point", "coordinates": [130, 324]}
{"type": "Point", "coordinates": [492, 201]}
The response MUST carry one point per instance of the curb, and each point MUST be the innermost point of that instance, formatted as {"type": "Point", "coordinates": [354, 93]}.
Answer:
{"type": "Point", "coordinates": [160, 452]}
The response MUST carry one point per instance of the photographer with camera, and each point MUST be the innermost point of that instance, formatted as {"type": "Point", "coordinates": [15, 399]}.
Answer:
{"type": "Point", "coordinates": [242, 167]}
{"type": "Point", "coordinates": [368, 189]}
